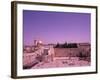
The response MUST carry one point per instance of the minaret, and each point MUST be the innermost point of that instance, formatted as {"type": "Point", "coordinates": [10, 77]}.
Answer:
{"type": "Point", "coordinates": [35, 42]}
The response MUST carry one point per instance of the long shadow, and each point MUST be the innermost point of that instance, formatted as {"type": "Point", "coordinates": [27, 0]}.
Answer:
{"type": "Point", "coordinates": [29, 66]}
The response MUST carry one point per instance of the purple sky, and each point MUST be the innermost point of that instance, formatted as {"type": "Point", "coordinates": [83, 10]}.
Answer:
{"type": "Point", "coordinates": [53, 27]}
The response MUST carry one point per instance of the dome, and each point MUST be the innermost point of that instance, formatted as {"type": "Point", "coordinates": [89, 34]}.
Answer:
{"type": "Point", "coordinates": [40, 42]}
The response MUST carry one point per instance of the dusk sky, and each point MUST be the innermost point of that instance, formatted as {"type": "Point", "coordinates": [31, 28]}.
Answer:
{"type": "Point", "coordinates": [53, 27]}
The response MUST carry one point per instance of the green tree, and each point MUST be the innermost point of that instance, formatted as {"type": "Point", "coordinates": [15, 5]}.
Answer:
{"type": "Point", "coordinates": [64, 45]}
{"type": "Point", "coordinates": [57, 45]}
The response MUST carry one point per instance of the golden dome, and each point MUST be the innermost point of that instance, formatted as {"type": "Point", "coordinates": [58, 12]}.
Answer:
{"type": "Point", "coordinates": [40, 42]}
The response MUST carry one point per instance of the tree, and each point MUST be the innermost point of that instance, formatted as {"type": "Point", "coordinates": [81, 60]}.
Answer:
{"type": "Point", "coordinates": [72, 45]}
{"type": "Point", "coordinates": [64, 45]}
{"type": "Point", "coordinates": [57, 45]}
